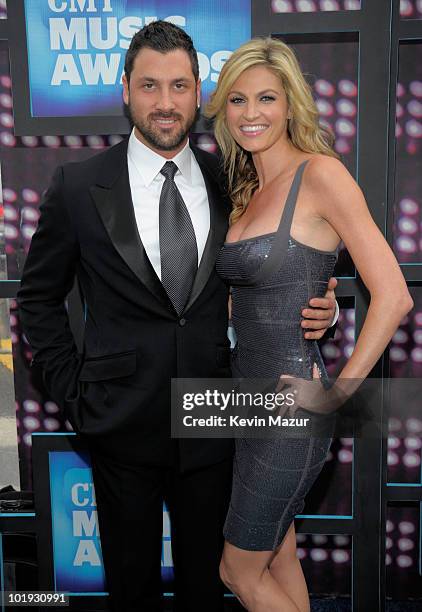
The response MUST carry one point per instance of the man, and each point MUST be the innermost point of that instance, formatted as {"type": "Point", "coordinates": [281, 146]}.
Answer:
{"type": "Point", "coordinates": [142, 236]}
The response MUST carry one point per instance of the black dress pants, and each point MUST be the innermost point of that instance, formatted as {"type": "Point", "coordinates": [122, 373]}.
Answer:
{"type": "Point", "coordinates": [130, 514]}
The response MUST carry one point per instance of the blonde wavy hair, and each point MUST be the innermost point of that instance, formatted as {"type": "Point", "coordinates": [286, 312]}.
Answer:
{"type": "Point", "coordinates": [303, 127]}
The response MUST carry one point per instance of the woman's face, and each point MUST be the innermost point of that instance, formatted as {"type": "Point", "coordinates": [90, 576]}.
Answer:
{"type": "Point", "coordinates": [256, 110]}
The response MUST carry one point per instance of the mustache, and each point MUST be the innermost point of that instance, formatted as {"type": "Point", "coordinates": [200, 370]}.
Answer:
{"type": "Point", "coordinates": [165, 116]}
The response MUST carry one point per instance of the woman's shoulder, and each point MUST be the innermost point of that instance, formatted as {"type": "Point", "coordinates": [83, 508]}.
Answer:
{"type": "Point", "coordinates": [321, 166]}
{"type": "Point", "coordinates": [330, 185]}
{"type": "Point", "coordinates": [325, 173]}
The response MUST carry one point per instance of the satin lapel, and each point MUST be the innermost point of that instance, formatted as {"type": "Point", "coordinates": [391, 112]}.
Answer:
{"type": "Point", "coordinates": [216, 235]}
{"type": "Point", "coordinates": [114, 205]}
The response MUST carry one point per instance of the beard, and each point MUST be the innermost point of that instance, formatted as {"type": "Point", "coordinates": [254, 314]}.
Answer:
{"type": "Point", "coordinates": [157, 138]}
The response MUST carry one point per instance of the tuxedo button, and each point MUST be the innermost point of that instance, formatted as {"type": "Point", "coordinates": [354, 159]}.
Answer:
{"type": "Point", "coordinates": [182, 322]}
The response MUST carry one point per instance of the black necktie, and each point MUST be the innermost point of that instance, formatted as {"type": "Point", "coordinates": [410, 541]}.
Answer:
{"type": "Point", "coordinates": [178, 249]}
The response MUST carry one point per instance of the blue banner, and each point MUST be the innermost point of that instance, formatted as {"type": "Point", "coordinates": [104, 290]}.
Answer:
{"type": "Point", "coordinates": [76, 48]}
{"type": "Point", "coordinates": [77, 557]}
{"type": "Point", "coordinates": [77, 560]}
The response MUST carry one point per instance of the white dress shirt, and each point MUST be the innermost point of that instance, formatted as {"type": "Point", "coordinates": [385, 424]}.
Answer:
{"type": "Point", "coordinates": [146, 182]}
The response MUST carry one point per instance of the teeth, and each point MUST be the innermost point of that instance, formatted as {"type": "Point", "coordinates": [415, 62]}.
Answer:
{"type": "Point", "coordinates": [166, 121]}
{"type": "Point", "coordinates": [253, 128]}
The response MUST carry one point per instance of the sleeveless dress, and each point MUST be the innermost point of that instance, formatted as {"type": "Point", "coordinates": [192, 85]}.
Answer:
{"type": "Point", "coordinates": [273, 277]}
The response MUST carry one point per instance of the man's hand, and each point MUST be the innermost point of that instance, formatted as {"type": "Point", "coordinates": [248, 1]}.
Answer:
{"type": "Point", "coordinates": [319, 317]}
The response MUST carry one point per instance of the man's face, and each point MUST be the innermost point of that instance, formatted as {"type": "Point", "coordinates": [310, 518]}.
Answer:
{"type": "Point", "coordinates": [162, 97]}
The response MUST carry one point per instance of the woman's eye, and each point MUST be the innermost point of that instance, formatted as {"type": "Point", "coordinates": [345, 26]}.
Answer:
{"type": "Point", "coordinates": [267, 98]}
{"type": "Point", "coordinates": [236, 100]}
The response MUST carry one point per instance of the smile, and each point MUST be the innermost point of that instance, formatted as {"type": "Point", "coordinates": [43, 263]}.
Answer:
{"type": "Point", "coordinates": [253, 130]}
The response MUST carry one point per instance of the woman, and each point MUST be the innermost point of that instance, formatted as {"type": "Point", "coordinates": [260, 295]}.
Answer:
{"type": "Point", "coordinates": [293, 202]}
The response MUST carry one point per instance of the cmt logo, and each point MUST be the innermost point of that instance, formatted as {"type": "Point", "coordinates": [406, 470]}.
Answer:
{"type": "Point", "coordinates": [74, 6]}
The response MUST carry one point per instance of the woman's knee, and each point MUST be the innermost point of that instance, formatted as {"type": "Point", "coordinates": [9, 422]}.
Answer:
{"type": "Point", "coordinates": [228, 573]}
{"type": "Point", "coordinates": [239, 582]}
{"type": "Point", "coordinates": [251, 589]}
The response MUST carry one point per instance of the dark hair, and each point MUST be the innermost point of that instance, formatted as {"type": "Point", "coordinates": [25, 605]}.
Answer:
{"type": "Point", "coordinates": [161, 36]}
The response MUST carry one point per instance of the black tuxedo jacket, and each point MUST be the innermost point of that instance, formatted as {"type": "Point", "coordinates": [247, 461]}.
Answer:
{"type": "Point", "coordinates": [117, 393]}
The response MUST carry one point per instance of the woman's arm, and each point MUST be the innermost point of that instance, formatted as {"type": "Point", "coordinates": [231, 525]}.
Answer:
{"type": "Point", "coordinates": [341, 203]}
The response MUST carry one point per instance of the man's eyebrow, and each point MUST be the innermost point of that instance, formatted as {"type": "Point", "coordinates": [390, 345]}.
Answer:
{"type": "Point", "coordinates": [153, 80]}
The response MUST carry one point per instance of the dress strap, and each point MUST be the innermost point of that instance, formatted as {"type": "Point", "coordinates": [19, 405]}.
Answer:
{"type": "Point", "coordinates": [281, 238]}
{"type": "Point", "coordinates": [290, 205]}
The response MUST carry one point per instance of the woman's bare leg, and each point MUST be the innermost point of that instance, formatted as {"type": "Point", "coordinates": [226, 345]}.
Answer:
{"type": "Point", "coordinates": [286, 569]}
{"type": "Point", "coordinates": [247, 575]}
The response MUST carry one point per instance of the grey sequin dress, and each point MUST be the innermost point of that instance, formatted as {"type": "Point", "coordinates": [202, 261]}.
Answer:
{"type": "Point", "coordinates": [272, 278]}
